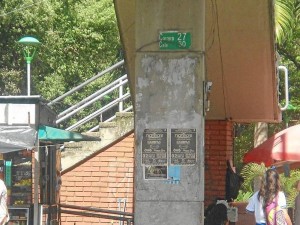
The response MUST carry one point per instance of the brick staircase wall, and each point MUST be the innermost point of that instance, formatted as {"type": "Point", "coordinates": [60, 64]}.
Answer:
{"type": "Point", "coordinates": [100, 181]}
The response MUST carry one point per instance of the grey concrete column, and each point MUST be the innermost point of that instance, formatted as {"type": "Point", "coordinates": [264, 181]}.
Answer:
{"type": "Point", "coordinates": [169, 120]}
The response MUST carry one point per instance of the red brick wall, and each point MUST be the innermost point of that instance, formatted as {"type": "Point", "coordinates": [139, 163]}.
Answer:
{"type": "Point", "coordinates": [99, 181]}
{"type": "Point", "coordinates": [107, 176]}
{"type": "Point", "coordinates": [218, 149]}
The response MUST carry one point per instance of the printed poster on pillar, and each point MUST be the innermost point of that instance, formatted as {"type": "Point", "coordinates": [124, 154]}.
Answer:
{"type": "Point", "coordinates": [155, 153]}
{"type": "Point", "coordinates": [183, 147]}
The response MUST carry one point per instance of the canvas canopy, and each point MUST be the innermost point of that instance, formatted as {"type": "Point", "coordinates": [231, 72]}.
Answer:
{"type": "Point", "coordinates": [15, 138]}
{"type": "Point", "coordinates": [47, 133]}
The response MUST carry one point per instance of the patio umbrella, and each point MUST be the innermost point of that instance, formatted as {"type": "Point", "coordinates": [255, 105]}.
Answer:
{"type": "Point", "coordinates": [283, 146]}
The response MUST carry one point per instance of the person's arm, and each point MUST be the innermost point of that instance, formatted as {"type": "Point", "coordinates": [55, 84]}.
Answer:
{"type": "Point", "coordinates": [4, 219]}
{"type": "Point", "coordinates": [287, 217]}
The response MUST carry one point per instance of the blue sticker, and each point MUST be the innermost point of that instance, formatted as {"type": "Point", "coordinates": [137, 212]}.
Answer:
{"type": "Point", "coordinates": [174, 174]}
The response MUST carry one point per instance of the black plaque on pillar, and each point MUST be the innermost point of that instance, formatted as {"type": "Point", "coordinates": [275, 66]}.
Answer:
{"type": "Point", "coordinates": [155, 147]}
{"type": "Point", "coordinates": [183, 147]}
{"type": "Point", "coordinates": [155, 172]}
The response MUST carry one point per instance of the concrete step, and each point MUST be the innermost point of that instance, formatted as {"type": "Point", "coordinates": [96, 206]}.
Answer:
{"type": "Point", "coordinates": [74, 152]}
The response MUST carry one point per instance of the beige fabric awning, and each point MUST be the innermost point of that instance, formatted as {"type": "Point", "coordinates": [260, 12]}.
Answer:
{"type": "Point", "coordinates": [240, 57]}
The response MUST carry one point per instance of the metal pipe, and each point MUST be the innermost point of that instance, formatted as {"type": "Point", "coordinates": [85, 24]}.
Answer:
{"type": "Point", "coordinates": [286, 87]}
{"type": "Point", "coordinates": [89, 214]}
{"type": "Point", "coordinates": [120, 95]}
{"type": "Point", "coordinates": [28, 78]}
{"type": "Point", "coordinates": [94, 209]}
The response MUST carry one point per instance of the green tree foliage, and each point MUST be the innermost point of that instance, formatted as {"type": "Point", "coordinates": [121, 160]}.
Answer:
{"type": "Point", "coordinates": [10, 82]}
{"type": "Point", "coordinates": [79, 39]}
{"type": "Point", "coordinates": [285, 20]}
{"type": "Point", "coordinates": [243, 141]}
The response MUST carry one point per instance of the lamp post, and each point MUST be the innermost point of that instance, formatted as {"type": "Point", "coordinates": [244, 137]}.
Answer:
{"type": "Point", "coordinates": [30, 45]}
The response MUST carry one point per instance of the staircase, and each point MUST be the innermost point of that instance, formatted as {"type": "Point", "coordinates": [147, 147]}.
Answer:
{"type": "Point", "coordinates": [110, 129]}
{"type": "Point", "coordinates": [75, 152]}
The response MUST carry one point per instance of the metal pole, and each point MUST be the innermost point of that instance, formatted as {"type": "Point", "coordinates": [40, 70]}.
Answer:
{"type": "Point", "coordinates": [120, 95]}
{"type": "Point", "coordinates": [28, 78]}
{"type": "Point", "coordinates": [36, 185]}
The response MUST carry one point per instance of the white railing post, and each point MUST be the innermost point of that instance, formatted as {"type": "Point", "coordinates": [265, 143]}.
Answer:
{"type": "Point", "coordinates": [120, 96]}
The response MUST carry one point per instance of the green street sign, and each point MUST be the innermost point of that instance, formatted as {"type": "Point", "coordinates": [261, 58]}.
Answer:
{"type": "Point", "coordinates": [174, 40]}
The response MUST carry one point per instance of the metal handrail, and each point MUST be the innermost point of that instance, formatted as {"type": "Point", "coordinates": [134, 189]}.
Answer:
{"type": "Point", "coordinates": [112, 86]}
{"type": "Point", "coordinates": [115, 66]}
{"type": "Point", "coordinates": [98, 112]}
{"type": "Point", "coordinates": [98, 212]}
{"type": "Point", "coordinates": [85, 103]}
{"type": "Point", "coordinates": [88, 101]}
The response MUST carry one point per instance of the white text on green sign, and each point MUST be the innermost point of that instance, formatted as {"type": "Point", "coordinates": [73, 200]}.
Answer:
{"type": "Point", "coordinates": [174, 40]}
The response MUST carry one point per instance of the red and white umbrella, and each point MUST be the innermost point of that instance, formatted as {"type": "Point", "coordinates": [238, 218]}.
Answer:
{"type": "Point", "coordinates": [283, 146]}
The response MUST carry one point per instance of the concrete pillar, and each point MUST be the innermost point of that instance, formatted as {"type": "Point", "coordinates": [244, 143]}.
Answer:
{"type": "Point", "coordinates": [169, 122]}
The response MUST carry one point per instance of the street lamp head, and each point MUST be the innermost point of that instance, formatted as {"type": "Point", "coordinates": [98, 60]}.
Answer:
{"type": "Point", "coordinates": [29, 41]}
{"type": "Point", "coordinates": [30, 44]}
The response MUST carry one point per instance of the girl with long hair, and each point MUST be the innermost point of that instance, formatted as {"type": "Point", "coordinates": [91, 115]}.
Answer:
{"type": "Point", "coordinates": [269, 201]}
{"type": "Point", "coordinates": [274, 199]}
